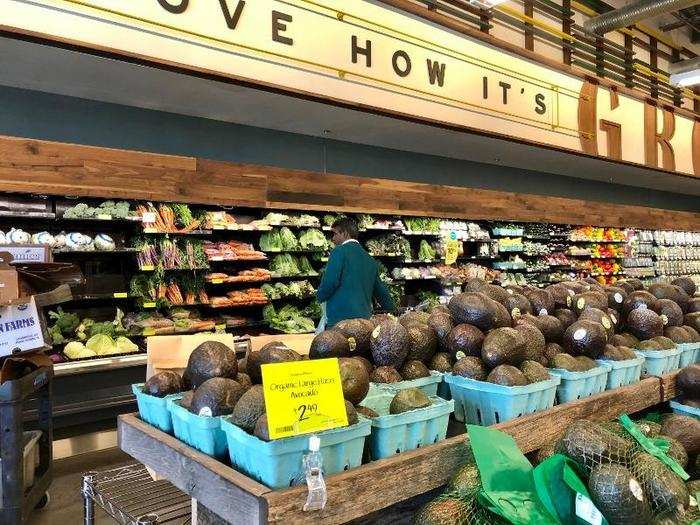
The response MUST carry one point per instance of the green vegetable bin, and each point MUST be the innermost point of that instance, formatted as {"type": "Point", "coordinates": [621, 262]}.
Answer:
{"type": "Point", "coordinates": [396, 433]}
{"type": "Point", "coordinates": [684, 410]}
{"type": "Point", "coordinates": [278, 463]}
{"type": "Point", "coordinates": [621, 373]}
{"type": "Point", "coordinates": [201, 432]}
{"type": "Point", "coordinates": [659, 362]}
{"type": "Point", "coordinates": [429, 385]}
{"type": "Point", "coordinates": [577, 385]}
{"type": "Point", "coordinates": [689, 354]}
{"type": "Point", "coordinates": [483, 403]}
{"type": "Point", "coordinates": [154, 410]}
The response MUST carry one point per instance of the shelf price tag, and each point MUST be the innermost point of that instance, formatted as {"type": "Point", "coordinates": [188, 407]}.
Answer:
{"type": "Point", "coordinates": [147, 268]}
{"type": "Point", "coordinates": [303, 397]}
{"type": "Point", "coordinates": [451, 251]}
{"type": "Point", "coordinates": [149, 304]}
{"type": "Point", "coordinates": [220, 327]}
{"type": "Point", "coordinates": [148, 332]}
{"type": "Point", "coordinates": [148, 217]}
{"type": "Point", "coordinates": [120, 295]}
{"type": "Point", "coordinates": [217, 281]}
{"type": "Point", "coordinates": [104, 217]}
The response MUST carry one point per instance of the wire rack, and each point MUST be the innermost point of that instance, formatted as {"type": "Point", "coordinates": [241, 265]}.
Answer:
{"type": "Point", "coordinates": [130, 496]}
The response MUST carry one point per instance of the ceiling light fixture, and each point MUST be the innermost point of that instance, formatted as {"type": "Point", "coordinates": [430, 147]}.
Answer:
{"type": "Point", "coordinates": [486, 4]}
{"type": "Point", "coordinates": [685, 73]}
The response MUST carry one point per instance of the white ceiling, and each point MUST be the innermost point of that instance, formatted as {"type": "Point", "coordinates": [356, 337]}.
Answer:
{"type": "Point", "coordinates": [55, 70]}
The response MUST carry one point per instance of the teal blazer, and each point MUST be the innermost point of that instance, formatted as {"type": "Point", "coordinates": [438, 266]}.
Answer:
{"type": "Point", "coordinates": [349, 283]}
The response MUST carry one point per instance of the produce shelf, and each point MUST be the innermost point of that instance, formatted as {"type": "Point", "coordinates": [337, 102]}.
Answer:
{"type": "Point", "coordinates": [298, 276]}
{"type": "Point", "coordinates": [293, 251]}
{"type": "Point", "coordinates": [61, 251]}
{"type": "Point", "coordinates": [221, 259]}
{"type": "Point", "coordinates": [153, 269]}
{"type": "Point", "coordinates": [236, 305]}
{"type": "Point", "coordinates": [379, 484]}
{"type": "Point", "coordinates": [153, 231]}
{"type": "Point", "coordinates": [98, 364]}
{"type": "Point", "coordinates": [593, 241]}
{"type": "Point", "coordinates": [421, 234]}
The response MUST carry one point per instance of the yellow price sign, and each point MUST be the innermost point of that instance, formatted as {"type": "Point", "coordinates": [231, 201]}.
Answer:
{"type": "Point", "coordinates": [120, 295]}
{"type": "Point", "coordinates": [451, 251]}
{"type": "Point", "coordinates": [302, 397]}
{"type": "Point", "coordinates": [148, 332]}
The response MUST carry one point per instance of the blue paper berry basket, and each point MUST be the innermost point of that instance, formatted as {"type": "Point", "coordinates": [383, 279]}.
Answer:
{"type": "Point", "coordinates": [154, 410]}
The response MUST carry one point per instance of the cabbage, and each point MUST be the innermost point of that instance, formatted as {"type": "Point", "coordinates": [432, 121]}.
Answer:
{"type": "Point", "coordinates": [76, 350]}
{"type": "Point", "coordinates": [125, 345]}
{"type": "Point", "coordinates": [101, 344]}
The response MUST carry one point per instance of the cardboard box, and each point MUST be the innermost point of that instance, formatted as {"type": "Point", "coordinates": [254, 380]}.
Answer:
{"type": "Point", "coordinates": [33, 253]}
{"type": "Point", "coordinates": [171, 352]}
{"type": "Point", "coordinates": [20, 328]}
{"type": "Point", "coordinates": [9, 279]}
{"type": "Point", "coordinates": [300, 343]}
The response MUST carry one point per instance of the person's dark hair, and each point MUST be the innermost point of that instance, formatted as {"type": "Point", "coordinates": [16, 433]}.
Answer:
{"type": "Point", "coordinates": [346, 225]}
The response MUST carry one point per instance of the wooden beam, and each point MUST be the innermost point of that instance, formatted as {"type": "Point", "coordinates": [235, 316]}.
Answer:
{"type": "Point", "coordinates": [52, 168]}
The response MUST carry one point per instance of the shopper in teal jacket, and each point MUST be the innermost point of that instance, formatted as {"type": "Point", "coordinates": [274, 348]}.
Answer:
{"type": "Point", "coordinates": [351, 279]}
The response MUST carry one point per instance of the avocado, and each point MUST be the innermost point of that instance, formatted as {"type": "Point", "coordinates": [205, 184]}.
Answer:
{"type": "Point", "coordinates": [441, 362]}
{"type": "Point", "coordinates": [409, 399]}
{"type": "Point", "coordinates": [559, 294]}
{"type": "Point", "coordinates": [422, 342]}
{"type": "Point", "coordinates": [665, 490]}
{"type": "Point", "coordinates": [260, 429]}
{"type": "Point", "coordinates": [507, 375]}
{"type": "Point", "coordinates": [357, 331]}
{"type": "Point", "coordinates": [541, 301]}
{"type": "Point", "coordinates": [589, 445]}
{"type": "Point", "coordinates": [473, 309]}
{"type": "Point", "coordinates": [688, 381]}
{"type": "Point", "coordinates": [670, 313]}
{"type": "Point", "coordinates": [616, 297]}
{"type": "Point", "coordinates": [414, 370]}
{"type": "Point", "coordinates": [513, 288]}
{"type": "Point", "coordinates": [650, 344]}
{"type": "Point", "coordinates": [649, 428]}
{"type": "Point", "coordinates": [385, 374]}
{"type": "Point", "coordinates": [330, 343]}
{"type": "Point", "coordinates": [243, 380]}
{"type": "Point", "coordinates": [624, 340]}
{"type": "Point", "coordinates": [534, 372]}
{"type": "Point", "coordinates": [676, 451]}
{"type": "Point", "coordinates": [586, 363]}
{"type": "Point", "coordinates": [249, 408]}
{"type": "Point", "coordinates": [687, 284]}
{"type": "Point", "coordinates": [470, 367]}
{"type": "Point", "coordinates": [216, 397]}
{"type": "Point", "coordinates": [684, 429]}
{"type": "Point", "coordinates": [626, 286]}
{"type": "Point", "coordinates": [389, 344]}
{"type": "Point", "coordinates": [638, 299]}
{"type": "Point", "coordinates": [565, 362]}
{"type": "Point", "coordinates": [614, 317]}
{"type": "Point", "coordinates": [163, 384]}
{"type": "Point", "coordinates": [474, 284]}
{"type": "Point", "coordinates": [445, 511]}
{"type": "Point", "coordinates": [585, 338]}
{"type": "Point", "coordinates": [442, 325]}
{"type": "Point", "coordinates": [517, 304]}
{"type": "Point", "coordinates": [366, 363]}
{"type": "Point", "coordinates": [550, 326]}
{"type": "Point", "coordinates": [351, 413]}
{"type": "Point", "coordinates": [566, 317]}
{"type": "Point", "coordinates": [618, 495]}
{"type": "Point", "coordinates": [694, 305]}
{"type": "Point", "coordinates": [274, 352]}
{"type": "Point", "coordinates": [626, 353]}
{"type": "Point", "coordinates": [503, 346]}
{"type": "Point", "coordinates": [354, 378]}
{"type": "Point", "coordinates": [693, 321]}
{"type": "Point", "coordinates": [665, 342]}
{"type": "Point", "coordinates": [693, 333]}
{"type": "Point", "coordinates": [466, 480]}
{"type": "Point", "coordinates": [367, 412]}
{"type": "Point", "coordinates": [211, 359]}
{"type": "Point", "coordinates": [413, 317]}
{"type": "Point", "coordinates": [496, 293]}
{"type": "Point", "coordinates": [464, 340]}
{"type": "Point", "coordinates": [599, 316]}
{"type": "Point", "coordinates": [186, 399]}
{"type": "Point", "coordinates": [611, 353]}
{"type": "Point", "coordinates": [580, 302]}
{"type": "Point", "coordinates": [378, 319]}
{"type": "Point", "coordinates": [677, 334]}
{"type": "Point", "coordinates": [551, 350]}
{"type": "Point", "coordinates": [672, 292]}
{"type": "Point", "coordinates": [534, 340]}
{"type": "Point", "coordinates": [439, 309]}
{"type": "Point", "coordinates": [502, 316]}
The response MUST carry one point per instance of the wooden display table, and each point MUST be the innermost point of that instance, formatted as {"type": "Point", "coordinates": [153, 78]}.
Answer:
{"type": "Point", "coordinates": [362, 491]}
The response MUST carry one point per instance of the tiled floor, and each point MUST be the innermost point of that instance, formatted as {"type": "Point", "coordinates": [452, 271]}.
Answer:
{"type": "Point", "coordinates": [66, 506]}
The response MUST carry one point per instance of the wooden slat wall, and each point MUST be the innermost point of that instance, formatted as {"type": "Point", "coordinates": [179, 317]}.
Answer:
{"type": "Point", "coordinates": [35, 166]}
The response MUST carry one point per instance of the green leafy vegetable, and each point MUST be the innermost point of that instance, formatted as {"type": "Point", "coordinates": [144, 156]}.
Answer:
{"type": "Point", "coordinates": [284, 264]}
{"type": "Point", "coordinates": [426, 252]}
{"type": "Point", "coordinates": [271, 241]}
{"type": "Point", "coordinates": [313, 239]}
{"type": "Point", "coordinates": [289, 241]}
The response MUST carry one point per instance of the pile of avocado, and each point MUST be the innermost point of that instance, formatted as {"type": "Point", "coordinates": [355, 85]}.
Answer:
{"type": "Point", "coordinates": [626, 483]}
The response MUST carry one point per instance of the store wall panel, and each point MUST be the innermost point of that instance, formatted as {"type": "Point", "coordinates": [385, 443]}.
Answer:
{"type": "Point", "coordinates": [68, 119]}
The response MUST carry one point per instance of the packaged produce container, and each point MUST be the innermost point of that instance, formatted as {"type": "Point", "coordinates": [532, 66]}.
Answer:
{"type": "Point", "coordinates": [621, 373]}
{"type": "Point", "coordinates": [278, 463]}
{"type": "Point", "coordinates": [154, 410]}
{"type": "Point", "coordinates": [201, 432]}
{"type": "Point", "coordinates": [429, 385]}
{"type": "Point", "coordinates": [684, 410]}
{"type": "Point", "coordinates": [30, 460]}
{"type": "Point", "coordinates": [483, 403]}
{"type": "Point", "coordinates": [689, 354]}
{"type": "Point", "coordinates": [443, 389]}
{"type": "Point", "coordinates": [659, 362]}
{"type": "Point", "coordinates": [577, 385]}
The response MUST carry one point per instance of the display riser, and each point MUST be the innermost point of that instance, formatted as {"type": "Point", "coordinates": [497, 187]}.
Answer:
{"type": "Point", "coordinates": [379, 484]}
